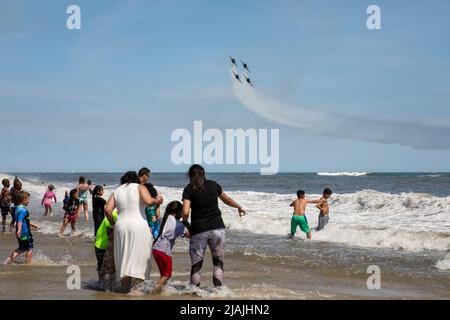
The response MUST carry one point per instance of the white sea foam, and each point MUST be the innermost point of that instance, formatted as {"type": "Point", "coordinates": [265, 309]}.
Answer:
{"type": "Point", "coordinates": [367, 218]}
{"type": "Point", "coordinates": [39, 258]}
{"type": "Point", "coordinates": [344, 173]}
{"type": "Point", "coordinates": [255, 291]}
{"type": "Point", "coordinates": [409, 221]}
{"type": "Point", "coordinates": [444, 264]}
{"type": "Point", "coordinates": [267, 292]}
{"type": "Point", "coordinates": [184, 288]}
{"type": "Point", "coordinates": [434, 175]}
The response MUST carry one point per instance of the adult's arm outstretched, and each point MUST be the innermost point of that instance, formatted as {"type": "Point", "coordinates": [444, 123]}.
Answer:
{"type": "Point", "coordinates": [225, 199]}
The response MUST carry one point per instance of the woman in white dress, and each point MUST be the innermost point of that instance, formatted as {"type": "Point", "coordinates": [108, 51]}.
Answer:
{"type": "Point", "coordinates": [132, 236]}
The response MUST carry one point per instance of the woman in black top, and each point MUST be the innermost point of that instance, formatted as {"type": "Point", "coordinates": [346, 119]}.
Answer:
{"type": "Point", "coordinates": [98, 207]}
{"type": "Point", "coordinates": [207, 227]}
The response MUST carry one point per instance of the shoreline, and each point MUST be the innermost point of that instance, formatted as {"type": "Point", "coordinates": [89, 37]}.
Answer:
{"type": "Point", "coordinates": [247, 277]}
{"type": "Point", "coordinates": [367, 228]}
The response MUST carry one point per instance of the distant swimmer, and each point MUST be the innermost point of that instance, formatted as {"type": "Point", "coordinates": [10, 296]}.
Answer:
{"type": "Point", "coordinates": [237, 77]}
{"type": "Point", "coordinates": [299, 218]}
{"type": "Point", "coordinates": [324, 209]}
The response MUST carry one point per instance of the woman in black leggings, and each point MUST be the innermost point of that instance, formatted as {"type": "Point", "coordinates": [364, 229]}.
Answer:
{"type": "Point", "coordinates": [207, 227]}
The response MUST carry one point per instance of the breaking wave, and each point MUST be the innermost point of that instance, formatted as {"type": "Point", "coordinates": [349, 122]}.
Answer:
{"type": "Point", "coordinates": [338, 174]}
{"type": "Point", "coordinates": [367, 218]}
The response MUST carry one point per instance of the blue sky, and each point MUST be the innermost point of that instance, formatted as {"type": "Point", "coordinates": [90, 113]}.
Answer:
{"type": "Point", "coordinates": [107, 97]}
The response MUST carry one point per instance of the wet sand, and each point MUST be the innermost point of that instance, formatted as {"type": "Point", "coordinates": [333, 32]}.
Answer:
{"type": "Point", "coordinates": [247, 276]}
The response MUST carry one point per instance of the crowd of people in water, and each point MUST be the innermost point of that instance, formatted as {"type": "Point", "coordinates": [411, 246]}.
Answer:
{"type": "Point", "coordinates": [129, 228]}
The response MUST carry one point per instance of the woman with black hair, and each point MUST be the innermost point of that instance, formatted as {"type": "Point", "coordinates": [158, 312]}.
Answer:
{"type": "Point", "coordinates": [132, 237]}
{"type": "Point", "coordinates": [207, 227]}
{"type": "Point", "coordinates": [98, 207]}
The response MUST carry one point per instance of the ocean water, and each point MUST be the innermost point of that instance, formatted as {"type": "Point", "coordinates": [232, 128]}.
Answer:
{"type": "Point", "coordinates": [409, 211]}
{"type": "Point", "coordinates": [399, 220]}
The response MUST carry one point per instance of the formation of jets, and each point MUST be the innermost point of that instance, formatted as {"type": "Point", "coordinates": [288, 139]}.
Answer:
{"type": "Point", "coordinates": [245, 75]}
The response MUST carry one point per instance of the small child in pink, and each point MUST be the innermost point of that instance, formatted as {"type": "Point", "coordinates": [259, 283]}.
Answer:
{"type": "Point", "coordinates": [49, 195]}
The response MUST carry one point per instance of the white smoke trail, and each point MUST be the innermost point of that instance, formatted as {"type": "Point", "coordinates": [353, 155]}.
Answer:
{"type": "Point", "coordinates": [413, 134]}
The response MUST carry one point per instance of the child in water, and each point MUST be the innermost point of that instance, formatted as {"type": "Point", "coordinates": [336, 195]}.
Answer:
{"type": "Point", "coordinates": [66, 198]}
{"type": "Point", "coordinates": [98, 207]}
{"type": "Point", "coordinates": [83, 192]}
{"type": "Point", "coordinates": [324, 209]}
{"type": "Point", "coordinates": [171, 228]}
{"type": "Point", "coordinates": [101, 244]}
{"type": "Point", "coordinates": [23, 228]}
{"type": "Point", "coordinates": [89, 183]}
{"type": "Point", "coordinates": [5, 202]}
{"type": "Point", "coordinates": [72, 209]}
{"type": "Point", "coordinates": [153, 212]}
{"type": "Point", "coordinates": [298, 217]}
{"type": "Point", "coordinates": [49, 195]}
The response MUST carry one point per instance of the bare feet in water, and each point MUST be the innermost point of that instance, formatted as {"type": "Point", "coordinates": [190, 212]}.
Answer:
{"type": "Point", "coordinates": [158, 289]}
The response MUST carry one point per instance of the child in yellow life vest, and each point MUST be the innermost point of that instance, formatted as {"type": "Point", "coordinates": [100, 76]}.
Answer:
{"type": "Point", "coordinates": [101, 243]}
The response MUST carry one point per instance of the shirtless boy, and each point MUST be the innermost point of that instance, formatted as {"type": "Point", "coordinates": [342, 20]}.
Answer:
{"type": "Point", "coordinates": [299, 218]}
{"type": "Point", "coordinates": [324, 209]}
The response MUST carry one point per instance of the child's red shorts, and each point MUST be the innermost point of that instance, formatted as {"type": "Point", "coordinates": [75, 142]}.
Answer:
{"type": "Point", "coordinates": [71, 217]}
{"type": "Point", "coordinates": [164, 263]}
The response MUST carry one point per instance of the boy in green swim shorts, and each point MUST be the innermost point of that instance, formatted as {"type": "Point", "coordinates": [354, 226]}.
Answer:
{"type": "Point", "coordinates": [299, 218]}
